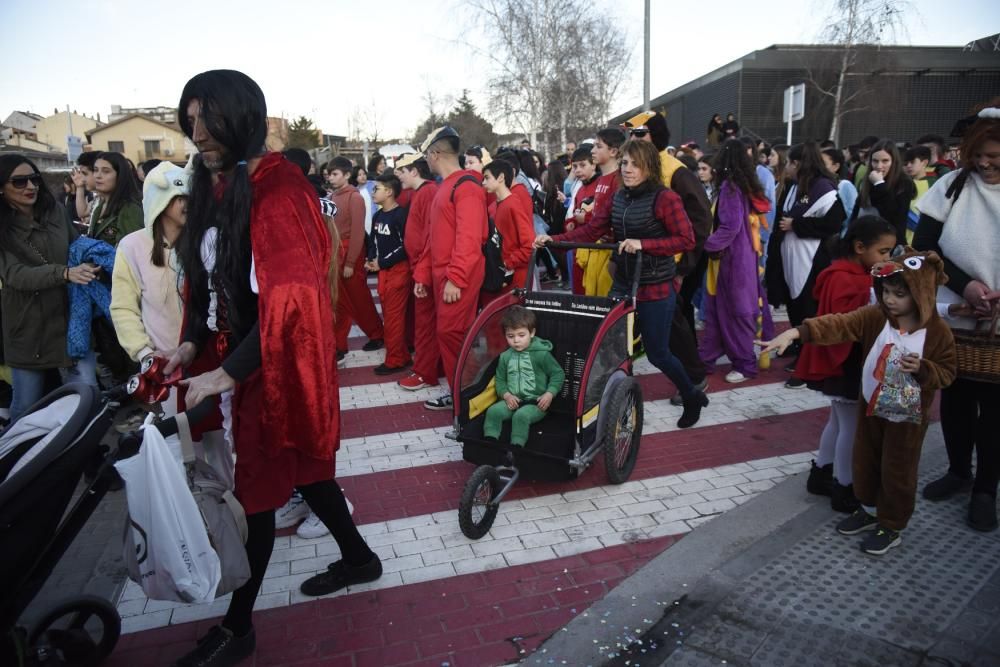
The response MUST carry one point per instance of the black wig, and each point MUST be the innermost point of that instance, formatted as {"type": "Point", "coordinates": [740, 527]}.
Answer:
{"type": "Point", "coordinates": [234, 113]}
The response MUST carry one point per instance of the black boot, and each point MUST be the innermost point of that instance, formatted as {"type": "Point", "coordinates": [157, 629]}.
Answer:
{"type": "Point", "coordinates": [983, 512]}
{"type": "Point", "coordinates": [692, 409]}
{"type": "Point", "coordinates": [820, 480]}
{"type": "Point", "coordinates": [947, 486]}
{"type": "Point", "coordinates": [842, 498]}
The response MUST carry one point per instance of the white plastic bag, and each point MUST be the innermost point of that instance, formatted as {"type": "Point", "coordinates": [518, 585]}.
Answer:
{"type": "Point", "coordinates": [166, 547]}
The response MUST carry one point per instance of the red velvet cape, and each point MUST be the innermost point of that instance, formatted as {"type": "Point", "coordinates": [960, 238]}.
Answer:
{"type": "Point", "coordinates": [292, 252]}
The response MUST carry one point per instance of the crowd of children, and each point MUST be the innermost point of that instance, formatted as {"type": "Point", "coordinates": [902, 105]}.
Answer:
{"type": "Point", "coordinates": [795, 226]}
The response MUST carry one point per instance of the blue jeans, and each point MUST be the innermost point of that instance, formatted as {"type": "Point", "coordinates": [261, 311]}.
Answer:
{"type": "Point", "coordinates": [29, 384]}
{"type": "Point", "coordinates": [655, 318]}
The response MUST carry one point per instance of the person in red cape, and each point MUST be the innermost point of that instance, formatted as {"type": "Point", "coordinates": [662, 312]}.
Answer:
{"type": "Point", "coordinates": [258, 258]}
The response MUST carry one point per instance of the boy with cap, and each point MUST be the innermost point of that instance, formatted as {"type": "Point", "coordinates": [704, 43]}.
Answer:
{"type": "Point", "coordinates": [452, 270]}
{"type": "Point", "coordinates": [416, 177]}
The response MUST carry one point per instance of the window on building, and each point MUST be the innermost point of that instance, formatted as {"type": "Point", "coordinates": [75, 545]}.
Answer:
{"type": "Point", "coordinates": [116, 147]}
{"type": "Point", "coordinates": [152, 148]}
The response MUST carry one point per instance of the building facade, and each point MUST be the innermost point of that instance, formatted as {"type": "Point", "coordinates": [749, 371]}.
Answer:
{"type": "Point", "coordinates": [900, 92]}
{"type": "Point", "coordinates": [140, 138]}
{"type": "Point", "coordinates": [166, 115]}
{"type": "Point", "coordinates": [54, 129]}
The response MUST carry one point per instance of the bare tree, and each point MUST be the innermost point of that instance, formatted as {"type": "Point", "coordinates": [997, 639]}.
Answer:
{"type": "Point", "coordinates": [365, 123]}
{"type": "Point", "coordinates": [858, 27]}
{"type": "Point", "coordinates": [589, 80]}
{"type": "Point", "coordinates": [536, 84]}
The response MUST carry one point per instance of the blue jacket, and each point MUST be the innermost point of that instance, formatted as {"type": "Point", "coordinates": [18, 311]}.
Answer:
{"type": "Point", "coordinates": [88, 302]}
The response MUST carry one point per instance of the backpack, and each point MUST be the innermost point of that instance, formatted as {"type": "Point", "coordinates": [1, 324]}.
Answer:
{"type": "Point", "coordinates": [497, 275]}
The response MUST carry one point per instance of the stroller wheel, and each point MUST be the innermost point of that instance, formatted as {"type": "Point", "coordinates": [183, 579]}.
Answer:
{"type": "Point", "coordinates": [476, 510]}
{"type": "Point", "coordinates": [622, 430]}
{"type": "Point", "coordinates": [81, 631]}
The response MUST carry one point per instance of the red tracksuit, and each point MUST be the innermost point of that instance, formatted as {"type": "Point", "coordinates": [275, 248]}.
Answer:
{"type": "Point", "coordinates": [518, 231]}
{"type": "Point", "coordinates": [458, 230]}
{"type": "Point", "coordinates": [394, 285]}
{"type": "Point", "coordinates": [354, 298]}
{"type": "Point", "coordinates": [426, 353]}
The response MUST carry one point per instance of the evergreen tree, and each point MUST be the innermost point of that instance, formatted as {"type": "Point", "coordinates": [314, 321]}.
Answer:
{"type": "Point", "coordinates": [302, 134]}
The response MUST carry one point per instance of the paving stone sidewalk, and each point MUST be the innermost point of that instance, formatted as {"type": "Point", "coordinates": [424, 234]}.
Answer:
{"type": "Point", "coordinates": [772, 583]}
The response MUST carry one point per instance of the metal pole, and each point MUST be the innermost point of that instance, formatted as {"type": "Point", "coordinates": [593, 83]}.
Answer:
{"type": "Point", "coordinates": [645, 61]}
{"type": "Point", "coordinates": [69, 122]}
{"type": "Point", "coordinates": [789, 97]}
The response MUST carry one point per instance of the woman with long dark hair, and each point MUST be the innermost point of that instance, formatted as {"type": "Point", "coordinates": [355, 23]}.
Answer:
{"type": "Point", "coordinates": [808, 212]}
{"type": "Point", "coordinates": [35, 236]}
{"type": "Point", "coordinates": [886, 190]}
{"type": "Point", "coordinates": [257, 255]}
{"type": "Point", "coordinates": [645, 215]}
{"type": "Point", "coordinates": [714, 134]}
{"type": "Point", "coordinates": [120, 211]}
{"type": "Point", "coordinates": [733, 291]}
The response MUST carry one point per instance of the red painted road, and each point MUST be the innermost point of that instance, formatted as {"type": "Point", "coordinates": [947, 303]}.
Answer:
{"type": "Point", "coordinates": [490, 618]}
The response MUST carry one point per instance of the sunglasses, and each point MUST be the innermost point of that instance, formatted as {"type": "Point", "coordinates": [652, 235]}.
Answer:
{"type": "Point", "coordinates": [638, 132]}
{"type": "Point", "coordinates": [21, 182]}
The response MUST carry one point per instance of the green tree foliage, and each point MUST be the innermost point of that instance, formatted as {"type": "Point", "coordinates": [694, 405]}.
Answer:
{"type": "Point", "coordinates": [473, 128]}
{"type": "Point", "coordinates": [302, 134]}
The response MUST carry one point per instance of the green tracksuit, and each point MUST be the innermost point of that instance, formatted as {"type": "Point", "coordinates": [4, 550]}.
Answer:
{"type": "Point", "coordinates": [527, 375]}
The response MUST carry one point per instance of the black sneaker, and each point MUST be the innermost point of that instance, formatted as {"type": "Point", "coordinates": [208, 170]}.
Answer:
{"type": "Point", "coordinates": [677, 400]}
{"type": "Point", "coordinates": [945, 487]}
{"type": "Point", "coordinates": [442, 402]}
{"type": "Point", "coordinates": [220, 648]}
{"type": "Point", "coordinates": [820, 480]}
{"type": "Point", "coordinates": [795, 383]}
{"type": "Point", "coordinates": [842, 498]}
{"type": "Point", "coordinates": [881, 541]}
{"type": "Point", "coordinates": [341, 575]}
{"type": "Point", "coordinates": [983, 512]}
{"type": "Point", "coordinates": [374, 344]}
{"type": "Point", "coordinates": [382, 369]}
{"type": "Point", "coordinates": [858, 522]}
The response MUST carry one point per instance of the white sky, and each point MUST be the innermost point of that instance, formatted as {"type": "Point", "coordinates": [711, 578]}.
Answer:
{"type": "Point", "coordinates": [327, 59]}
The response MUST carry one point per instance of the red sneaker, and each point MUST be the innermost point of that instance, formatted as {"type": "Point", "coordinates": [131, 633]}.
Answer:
{"type": "Point", "coordinates": [414, 382]}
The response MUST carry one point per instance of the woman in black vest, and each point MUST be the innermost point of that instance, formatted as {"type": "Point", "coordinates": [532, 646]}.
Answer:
{"type": "Point", "coordinates": [644, 215]}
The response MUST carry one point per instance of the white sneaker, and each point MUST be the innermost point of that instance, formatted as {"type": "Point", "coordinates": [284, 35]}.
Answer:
{"type": "Point", "coordinates": [735, 377]}
{"type": "Point", "coordinates": [291, 512]}
{"type": "Point", "coordinates": [312, 527]}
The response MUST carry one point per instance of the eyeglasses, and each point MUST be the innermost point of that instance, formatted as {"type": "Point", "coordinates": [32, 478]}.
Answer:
{"type": "Point", "coordinates": [638, 132]}
{"type": "Point", "coordinates": [21, 182]}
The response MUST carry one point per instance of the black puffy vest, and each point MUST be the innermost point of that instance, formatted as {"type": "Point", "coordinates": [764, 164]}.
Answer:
{"type": "Point", "coordinates": [634, 217]}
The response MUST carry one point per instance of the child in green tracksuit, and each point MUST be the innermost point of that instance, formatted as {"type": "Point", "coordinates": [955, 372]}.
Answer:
{"type": "Point", "coordinates": [528, 378]}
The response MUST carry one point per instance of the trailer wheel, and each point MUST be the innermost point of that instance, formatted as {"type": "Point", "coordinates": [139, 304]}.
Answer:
{"type": "Point", "coordinates": [476, 510]}
{"type": "Point", "coordinates": [82, 632]}
{"type": "Point", "coordinates": [622, 430]}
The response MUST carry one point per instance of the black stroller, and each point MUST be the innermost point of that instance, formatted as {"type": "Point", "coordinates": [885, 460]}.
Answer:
{"type": "Point", "coordinates": [43, 457]}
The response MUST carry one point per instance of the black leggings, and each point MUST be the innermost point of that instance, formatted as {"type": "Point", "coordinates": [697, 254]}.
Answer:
{"type": "Point", "coordinates": [970, 419]}
{"type": "Point", "coordinates": [327, 500]}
